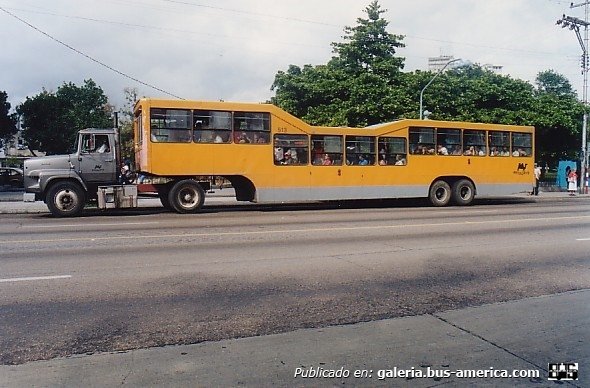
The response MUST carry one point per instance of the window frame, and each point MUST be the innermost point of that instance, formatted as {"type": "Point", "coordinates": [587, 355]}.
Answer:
{"type": "Point", "coordinates": [419, 146]}
{"type": "Point", "coordinates": [454, 148]}
{"type": "Point", "coordinates": [251, 127]}
{"type": "Point", "coordinates": [292, 142]}
{"type": "Point", "coordinates": [210, 132]}
{"type": "Point", "coordinates": [336, 157]}
{"type": "Point", "coordinates": [528, 139]}
{"type": "Point", "coordinates": [389, 155]}
{"type": "Point", "coordinates": [467, 144]}
{"type": "Point", "coordinates": [356, 148]}
{"type": "Point", "coordinates": [166, 132]}
{"type": "Point", "coordinates": [492, 143]}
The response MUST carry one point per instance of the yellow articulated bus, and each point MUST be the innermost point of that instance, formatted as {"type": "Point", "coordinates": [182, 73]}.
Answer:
{"type": "Point", "coordinates": [269, 155]}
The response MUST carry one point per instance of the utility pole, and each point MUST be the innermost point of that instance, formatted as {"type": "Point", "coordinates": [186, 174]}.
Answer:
{"type": "Point", "coordinates": [574, 24]}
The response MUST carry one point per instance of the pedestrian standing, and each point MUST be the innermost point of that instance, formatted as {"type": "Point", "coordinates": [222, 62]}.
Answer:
{"type": "Point", "coordinates": [572, 182]}
{"type": "Point", "coordinates": [537, 172]}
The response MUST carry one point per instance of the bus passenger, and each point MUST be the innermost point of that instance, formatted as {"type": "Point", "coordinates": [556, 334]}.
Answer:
{"type": "Point", "coordinates": [442, 150]}
{"type": "Point", "coordinates": [400, 160]}
{"type": "Point", "coordinates": [287, 158]}
{"type": "Point", "coordinates": [494, 151]}
{"type": "Point", "coordinates": [519, 152]}
{"type": "Point", "coordinates": [279, 155]}
{"type": "Point", "coordinates": [317, 154]}
{"type": "Point", "coordinates": [382, 160]}
{"type": "Point", "coordinates": [363, 161]}
{"type": "Point", "coordinates": [326, 160]}
{"type": "Point", "coordinates": [469, 151]}
{"type": "Point", "coordinates": [244, 138]}
{"type": "Point", "coordinates": [294, 157]}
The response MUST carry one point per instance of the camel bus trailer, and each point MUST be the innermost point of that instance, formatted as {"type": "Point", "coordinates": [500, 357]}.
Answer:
{"type": "Point", "coordinates": [268, 155]}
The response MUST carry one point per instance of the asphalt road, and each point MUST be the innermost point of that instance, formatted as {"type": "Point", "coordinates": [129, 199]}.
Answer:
{"type": "Point", "coordinates": [148, 278]}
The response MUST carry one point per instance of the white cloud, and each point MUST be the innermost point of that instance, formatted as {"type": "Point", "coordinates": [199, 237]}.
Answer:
{"type": "Point", "coordinates": [232, 49]}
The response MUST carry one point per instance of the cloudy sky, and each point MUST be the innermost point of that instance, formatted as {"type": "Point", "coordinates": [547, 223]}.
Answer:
{"type": "Point", "coordinates": [231, 50]}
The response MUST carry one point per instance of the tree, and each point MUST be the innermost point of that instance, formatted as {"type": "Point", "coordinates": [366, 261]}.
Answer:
{"type": "Point", "coordinates": [51, 120]}
{"type": "Point", "coordinates": [7, 120]}
{"type": "Point", "coordinates": [558, 118]}
{"type": "Point", "coordinates": [357, 87]}
{"type": "Point", "coordinates": [364, 84]}
{"type": "Point", "coordinates": [471, 93]}
{"type": "Point", "coordinates": [126, 124]}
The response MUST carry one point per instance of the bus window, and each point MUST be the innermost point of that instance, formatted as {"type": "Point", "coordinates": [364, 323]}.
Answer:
{"type": "Point", "coordinates": [392, 151]}
{"type": "Point", "coordinates": [327, 150]}
{"type": "Point", "coordinates": [139, 127]}
{"type": "Point", "coordinates": [360, 150]}
{"type": "Point", "coordinates": [211, 126]}
{"type": "Point", "coordinates": [291, 149]}
{"type": "Point", "coordinates": [422, 141]}
{"type": "Point", "coordinates": [251, 128]}
{"type": "Point", "coordinates": [474, 143]}
{"type": "Point", "coordinates": [499, 143]}
{"type": "Point", "coordinates": [170, 125]}
{"type": "Point", "coordinates": [522, 144]}
{"type": "Point", "coordinates": [448, 141]}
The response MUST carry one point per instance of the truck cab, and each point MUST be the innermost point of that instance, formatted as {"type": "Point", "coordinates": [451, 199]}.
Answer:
{"type": "Point", "coordinates": [67, 182]}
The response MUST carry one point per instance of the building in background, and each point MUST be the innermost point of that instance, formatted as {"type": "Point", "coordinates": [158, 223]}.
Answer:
{"type": "Point", "coordinates": [437, 63]}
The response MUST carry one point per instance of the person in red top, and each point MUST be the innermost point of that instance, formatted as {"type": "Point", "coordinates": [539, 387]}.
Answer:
{"type": "Point", "coordinates": [572, 182]}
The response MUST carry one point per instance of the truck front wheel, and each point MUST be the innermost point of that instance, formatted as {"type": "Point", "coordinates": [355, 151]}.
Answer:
{"type": "Point", "coordinates": [65, 199]}
{"type": "Point", "coordinates": [186, 196]}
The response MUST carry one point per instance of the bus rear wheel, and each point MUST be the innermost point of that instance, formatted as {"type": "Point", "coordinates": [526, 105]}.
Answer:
{"type": "Point", "coordinates": [186, 196]}
{"type": "Point", "coordinates": [440, 194]}
{"type": "Point", "coordinates": [463, 192]}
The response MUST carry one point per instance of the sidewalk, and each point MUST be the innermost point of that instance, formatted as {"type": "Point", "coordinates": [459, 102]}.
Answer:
{"type": "Point", "coordinates": [520, 335]}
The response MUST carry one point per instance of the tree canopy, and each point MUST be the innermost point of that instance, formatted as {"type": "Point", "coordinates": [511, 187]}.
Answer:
{"type": "Point", "coordinates": [7, 119]}
{"type": "Point", "coordinates": [357, 87]}
{"type": "Point", "coordinates": [363, 84]}
{"type": "Point", "coordinates": [51, 120]}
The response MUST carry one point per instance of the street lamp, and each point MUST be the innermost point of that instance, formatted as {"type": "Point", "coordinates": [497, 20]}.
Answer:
{"type": "Point", "coordinates": [432, 79]}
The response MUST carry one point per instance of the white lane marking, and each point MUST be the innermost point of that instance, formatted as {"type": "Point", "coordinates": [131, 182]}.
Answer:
{"type": "Point", "coordinates": [583, 239]}
{"type": "Point", "coordinates": [96, 224]}
{"type": "Point", "coordinates": [8, 280]}
{"type": "Point", "coordinates": [286, 231]}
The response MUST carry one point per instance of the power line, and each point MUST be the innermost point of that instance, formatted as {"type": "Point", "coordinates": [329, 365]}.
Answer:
{"type": "Point", "coordinates": [252, 13]}
{"type": "Point", "coordinates": [88, 56]}
{"type": "Point", "coordinates": [156, 28]}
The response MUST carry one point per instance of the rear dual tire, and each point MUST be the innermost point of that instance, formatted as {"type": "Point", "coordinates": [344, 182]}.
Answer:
{"type": "Point", "coordinates": [462, 193]}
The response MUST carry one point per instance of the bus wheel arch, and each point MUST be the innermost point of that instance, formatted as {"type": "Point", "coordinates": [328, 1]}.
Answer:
{"type": "Point", "coordinates": [439, 193]}
{"type": "Point", "coordinates": [463, 192]}
{"type": "Point", "coordinates": [244, 187]}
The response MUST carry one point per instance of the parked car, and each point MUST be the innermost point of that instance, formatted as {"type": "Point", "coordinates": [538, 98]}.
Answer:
{"type": "Point", "coordinates": [11, 176]}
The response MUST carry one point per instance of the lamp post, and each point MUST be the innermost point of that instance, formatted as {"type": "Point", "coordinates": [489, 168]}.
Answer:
{"type": "Point", "coordinates": [432, 79]}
